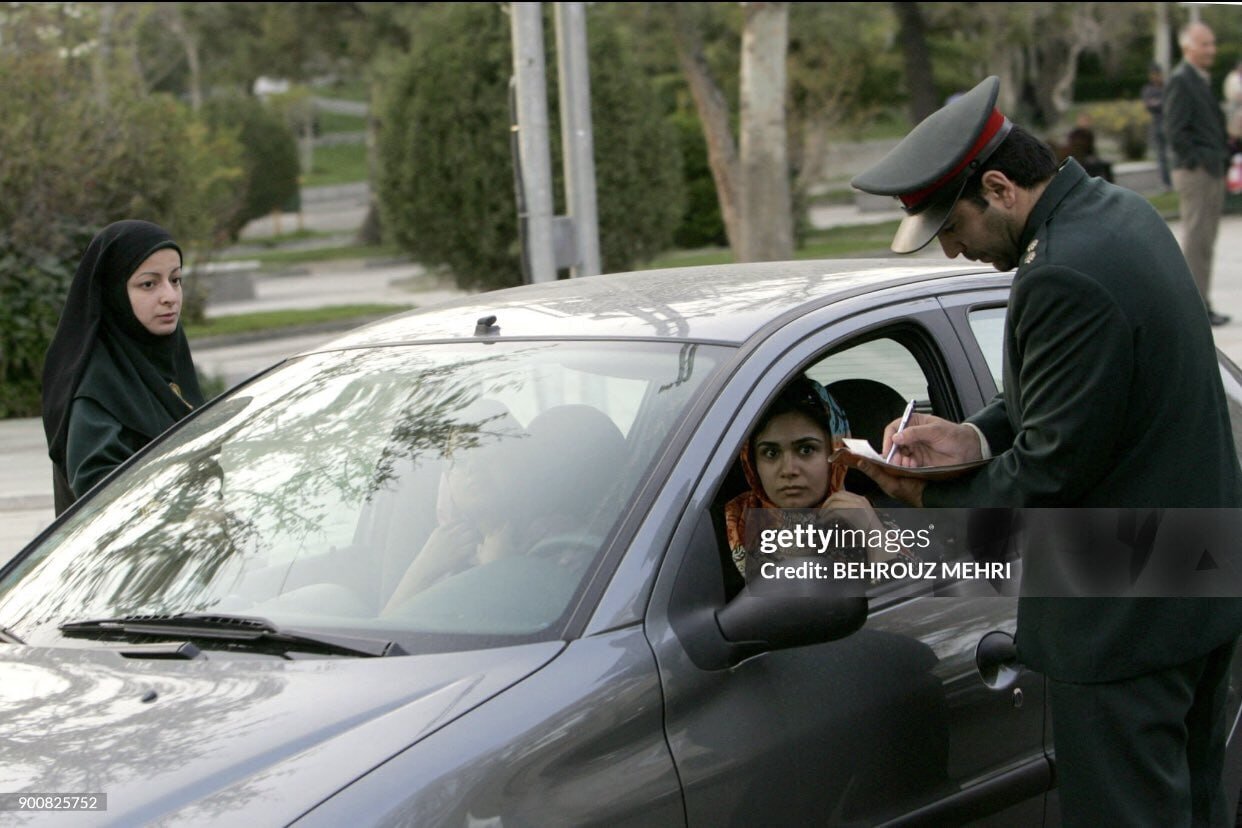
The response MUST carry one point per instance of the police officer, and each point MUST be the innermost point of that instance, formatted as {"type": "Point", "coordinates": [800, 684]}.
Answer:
{"type": "Point", "coordinates": [1112, 397]}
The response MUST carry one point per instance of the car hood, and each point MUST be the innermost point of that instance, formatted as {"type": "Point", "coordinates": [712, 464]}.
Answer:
{"type": "Point", "coordinates": [199, 741]}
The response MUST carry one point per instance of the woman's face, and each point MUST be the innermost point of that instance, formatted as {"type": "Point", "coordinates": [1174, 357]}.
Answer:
{"type": "Point", "coordinates": [155, 291]}
{"type": "Point", "coordinates": [791, 457]}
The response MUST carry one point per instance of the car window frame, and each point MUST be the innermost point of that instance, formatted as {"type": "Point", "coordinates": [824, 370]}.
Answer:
{"type": "Point", "coordinates": [747, 393]}
{"type": "Point", "coordinates": [958, 307]}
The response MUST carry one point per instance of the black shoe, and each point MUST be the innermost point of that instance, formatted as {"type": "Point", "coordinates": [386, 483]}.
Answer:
{"type": "Point", "coordinates": [1217, 319]}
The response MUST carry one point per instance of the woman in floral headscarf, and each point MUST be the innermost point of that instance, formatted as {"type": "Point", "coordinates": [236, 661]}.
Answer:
{"type": "Point", "coordinates": [787, 464]}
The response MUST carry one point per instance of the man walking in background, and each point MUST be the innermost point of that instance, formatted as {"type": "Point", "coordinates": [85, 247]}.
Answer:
{"type": "Point", "coordinates": [1195, 128]}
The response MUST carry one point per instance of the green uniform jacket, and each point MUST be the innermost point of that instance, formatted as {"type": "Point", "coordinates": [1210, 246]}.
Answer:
{"type": "Point", "coordinates": [98, 439]}
{"type": "Point", "coordinates": [1112, 398]}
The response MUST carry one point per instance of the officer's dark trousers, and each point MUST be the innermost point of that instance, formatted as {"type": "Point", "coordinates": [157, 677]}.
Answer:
{"type": "Point", "coordinates": [1144, 751]}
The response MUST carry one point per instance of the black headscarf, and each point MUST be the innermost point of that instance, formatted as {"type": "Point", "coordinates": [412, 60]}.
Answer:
{"type": "Point", "coordinates": [102, 351]}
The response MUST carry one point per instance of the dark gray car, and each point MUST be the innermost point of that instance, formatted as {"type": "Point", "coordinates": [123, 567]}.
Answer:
{"type": "Point", "coordinates": [466, 567]}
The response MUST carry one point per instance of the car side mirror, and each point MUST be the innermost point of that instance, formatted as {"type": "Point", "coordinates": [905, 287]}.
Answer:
{"type": "Point", "coordinates": [757, 623]}
{"type": "Point", "coordinates": [718, 633]}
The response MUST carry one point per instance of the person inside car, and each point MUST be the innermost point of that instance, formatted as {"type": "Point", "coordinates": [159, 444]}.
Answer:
{"type": "Point", "coordinates": [533, 490]}
{"type": "Point", "coordinates": [788, 466]}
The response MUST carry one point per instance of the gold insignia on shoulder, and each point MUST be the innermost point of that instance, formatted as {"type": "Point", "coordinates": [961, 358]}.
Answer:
{"type": "Point", "coordinates": [1030, 251]}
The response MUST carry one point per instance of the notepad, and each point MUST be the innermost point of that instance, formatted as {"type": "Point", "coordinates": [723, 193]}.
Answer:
{"type": "Point", "coordinates": [856, 450]}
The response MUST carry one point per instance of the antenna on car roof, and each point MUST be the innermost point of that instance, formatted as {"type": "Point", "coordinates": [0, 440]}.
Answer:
{"type": "Point", "coordinates": [486, 326]}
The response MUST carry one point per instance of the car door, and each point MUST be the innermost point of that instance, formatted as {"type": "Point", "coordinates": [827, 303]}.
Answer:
{"type": "Point", "coordinates": [892, 724]}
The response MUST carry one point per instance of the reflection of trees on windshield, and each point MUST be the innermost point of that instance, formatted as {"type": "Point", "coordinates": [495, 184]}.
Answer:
{"type": "Point", "coordinates": [685, 366]}
{"type": "Point", "coordinates": [330, 444]}
{"type": "Point", "coordinates": [185, 538]}
{"type": "Point", "coordinates": [267, 496]}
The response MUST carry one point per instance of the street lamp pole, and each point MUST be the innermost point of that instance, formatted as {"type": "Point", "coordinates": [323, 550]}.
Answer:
{"type": "Point", "coordinates": [551, 242]}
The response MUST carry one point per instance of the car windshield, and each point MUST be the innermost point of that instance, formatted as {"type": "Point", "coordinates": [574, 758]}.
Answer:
{"type": "Point", "coordinates": [444, 496]}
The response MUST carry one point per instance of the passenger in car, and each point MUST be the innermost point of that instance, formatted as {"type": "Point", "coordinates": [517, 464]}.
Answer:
{"type": "Point", "coordinates": [518, 490]}
{"type": "Point", "coordinates": [479, 501]}
{"type": "Point", "coordinates": [787, 464]}
{"type": "Point", "coordinates": [118, 371]}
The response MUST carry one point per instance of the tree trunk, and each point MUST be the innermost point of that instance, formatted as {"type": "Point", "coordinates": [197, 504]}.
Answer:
{"type": "Point", "coordinates": [713, 112]}
{"type": "Point", "coordinates": [372, 229]}
{"type": "Point", "coordinates": [189, 44]}
{"type": "Point", "coordinates": [912, 37]}
{"type": "Point", "coordinates": [766, 208]}
{"type": "Point", "coordinates": [103, 53]}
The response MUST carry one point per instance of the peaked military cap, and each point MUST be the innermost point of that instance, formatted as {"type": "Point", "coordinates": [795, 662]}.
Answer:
{"type": "Point", "coordinates": [929, 169]}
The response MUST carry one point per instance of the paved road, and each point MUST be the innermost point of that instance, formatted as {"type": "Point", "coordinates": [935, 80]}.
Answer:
{"type": "Point", "coordinates": [25, 472]}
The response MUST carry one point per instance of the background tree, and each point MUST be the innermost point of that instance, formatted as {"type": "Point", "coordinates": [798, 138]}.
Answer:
{"type": "Point", "coordinates": [270, 156]}
{"type": "Point", "coordinates": [141, 157]}
{"type": "Point", "coordinates": [921, 83]}
{"type": "Point", "coordinates": [446, 173]}
{"type": "Point", "coordinates": [767, 210]}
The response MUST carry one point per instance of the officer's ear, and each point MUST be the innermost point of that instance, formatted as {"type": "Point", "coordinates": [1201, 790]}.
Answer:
{"type": "Point", "coordinates": [998, 189]}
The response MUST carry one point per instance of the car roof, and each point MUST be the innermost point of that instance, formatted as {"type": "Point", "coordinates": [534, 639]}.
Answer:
{"type": "Point", "coordinates": [720, 303]}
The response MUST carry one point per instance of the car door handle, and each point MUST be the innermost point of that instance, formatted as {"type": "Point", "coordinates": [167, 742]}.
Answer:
{"type": "Point", "coordinates": [996, 658]}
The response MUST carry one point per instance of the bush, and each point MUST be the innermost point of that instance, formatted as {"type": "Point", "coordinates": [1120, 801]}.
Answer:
{"type": "Point", "coordinates": [446, 171]}
{"type": "Point", "coordinates": [71, 165]}
{"type": "Point", "coordinates": [28, 278]}
{"type": "Point", "coordinates": [1126, 122]}
{"type": "Point", "coordinates": [270, 156]}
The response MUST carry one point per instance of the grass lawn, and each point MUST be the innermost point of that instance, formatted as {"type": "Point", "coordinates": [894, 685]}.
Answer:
{"type": "Point", "coordinates": [274, 320]}
{"type": "Point", "coordinates": [835, 242]}
{"type": "Point", "coordinates": [340, 122]}
{"type": "Point", "coordinates": [276, 259]}
{"type": "Point", "coordinates": [337, 164]}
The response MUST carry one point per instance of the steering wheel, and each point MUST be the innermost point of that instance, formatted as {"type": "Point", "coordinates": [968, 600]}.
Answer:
{"type": "Point", "coordinates": [567, 546]}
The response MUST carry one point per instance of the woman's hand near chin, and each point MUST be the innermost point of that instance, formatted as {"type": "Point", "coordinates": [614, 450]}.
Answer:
{"type": "Point", "coordinates": [862, 513]}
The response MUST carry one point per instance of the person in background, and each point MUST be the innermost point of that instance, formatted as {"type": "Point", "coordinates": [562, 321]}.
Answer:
{"type": "Point", "coordinates": [1195, 128]}
{"type": "Point", "coordinates": [1080, 144]}
{"type": "Point", "coordinates": [1153, 101]}
{"type": "Point", "coordinates": [1233, 107]}
{"type": "Point", "coordinates": [118, 371]}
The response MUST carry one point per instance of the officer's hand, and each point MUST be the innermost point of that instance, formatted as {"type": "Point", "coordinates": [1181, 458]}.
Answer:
{"type": "Point", "coordinates": [908, 490]}
{"type": "Point", "coordinates": [931, 441]}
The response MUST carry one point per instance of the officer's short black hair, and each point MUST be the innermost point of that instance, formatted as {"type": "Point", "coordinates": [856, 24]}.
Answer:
{"type": "Point", "coordinates": [1024, 159]}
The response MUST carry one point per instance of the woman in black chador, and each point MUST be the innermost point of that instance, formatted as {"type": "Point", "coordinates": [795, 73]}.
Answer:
{"type": "Point", "coordinates": [118, 371]}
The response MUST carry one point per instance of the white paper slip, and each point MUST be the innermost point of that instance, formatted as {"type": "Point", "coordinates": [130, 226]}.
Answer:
{"type": "Point", "coordinates": [862, 448]}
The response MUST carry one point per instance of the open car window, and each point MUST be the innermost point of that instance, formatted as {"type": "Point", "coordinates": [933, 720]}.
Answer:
{"type": "Point", "coordinates": [444, 496]}
{"type": "Point", "coordinates": [871, 378]}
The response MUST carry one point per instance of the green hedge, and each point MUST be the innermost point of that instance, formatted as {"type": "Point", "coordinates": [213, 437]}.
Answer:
{"type": "Point", "coordinates": [446, 183]}
{"type": "Point", "coordinates": [270, 156]}
{"type": "Point", "coordinates": [73, 162]}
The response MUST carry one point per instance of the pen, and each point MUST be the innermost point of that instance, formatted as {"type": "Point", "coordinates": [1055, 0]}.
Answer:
{"type": "Point", "coordinates": [905, 418]}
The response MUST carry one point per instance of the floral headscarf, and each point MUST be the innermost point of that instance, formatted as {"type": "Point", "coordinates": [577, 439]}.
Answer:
{"type": "Point", "coordinates": [806, 396]}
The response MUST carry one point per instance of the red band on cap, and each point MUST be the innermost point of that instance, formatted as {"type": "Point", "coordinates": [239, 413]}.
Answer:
{"type": "Point", "coordinates": [995, 121]}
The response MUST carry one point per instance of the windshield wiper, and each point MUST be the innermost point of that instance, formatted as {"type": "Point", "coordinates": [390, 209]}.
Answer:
{"type": "Point", "coordinates": [239, 629]}
{"type": "Point", "coordinates": [7, 636]}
